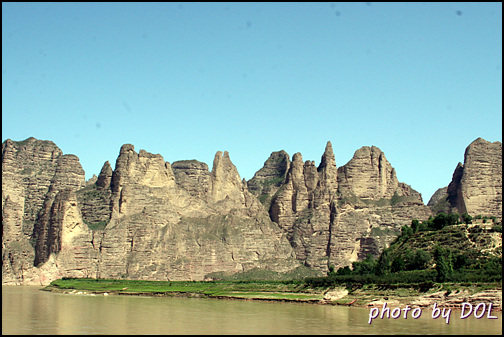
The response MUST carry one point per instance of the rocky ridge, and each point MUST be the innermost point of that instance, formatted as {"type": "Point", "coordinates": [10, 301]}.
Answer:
{"type": "Point", "coordinates": [149, 219]}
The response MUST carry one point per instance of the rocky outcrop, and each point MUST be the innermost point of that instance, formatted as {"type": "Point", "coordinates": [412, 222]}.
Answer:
{"type": "Point", "coordinates": [68, 176]}
{"type": "Point", "coordinates": [149, 219]}
{"type": "Point", "coordinates": [334, 216]}
{"type": "Point", "coordinates": [438, 196]}
{"type": "Point", "coordinates": [139, 221]}
{"type": "Point", "coordinates": [193, 176]}
{"type": "Point", "coordinates": [105, 178]}
{"type": "Point", "coordinates": [476, 185]}
{"type": "Point", "coordinates": [33, 173]}
{"type": "Point", "coordinates": [369, 175]}
{"type": "Point", "coordinates": [270, 177]}
{"type": "Point", "coordinates": [225, 180]}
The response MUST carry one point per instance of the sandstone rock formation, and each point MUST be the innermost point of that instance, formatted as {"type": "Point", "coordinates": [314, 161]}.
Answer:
{"type": "Point", "coordinates": [368, 175]}
{"type": "Point", "coordinates": [270, 177]}
{"type": "Point", "coordinates": [33, 174]}
{"type": "Point", "coordinates": [334, 216]}
{"type": "Point", "coordinates": [438, 196]}
{"type": "Point", "coordinates": [476, 186]}
{"type": "Point", "coordinates": [140, 221]}
{"type": "Point", "coordinates": [149, 219]}
{"type": "Point", "coordinates": [480, 190]}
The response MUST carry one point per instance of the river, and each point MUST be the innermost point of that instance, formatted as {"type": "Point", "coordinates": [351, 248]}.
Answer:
{"type": "Point", "coordinates": [27, 310]}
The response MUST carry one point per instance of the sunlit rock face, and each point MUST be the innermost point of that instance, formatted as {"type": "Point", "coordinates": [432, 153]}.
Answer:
{"type": "Point", "coordinates": [476, 187]}
{"type": "Point", "coordinates": [334, 216]}
{"type": "Point", "coordinates": [141, 220]}
{"type": "Point", "coordinates": [152, 220]}
{"type": "Point", "coordinates": [34, 172]}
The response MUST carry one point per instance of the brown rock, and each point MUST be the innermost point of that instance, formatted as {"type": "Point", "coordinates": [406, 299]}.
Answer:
{"type": "Point", "coordinates": [270, 177]}
{"type": "Point", "coordinates": [226, 182]}
{"type": "Point", "coordinates": [105, 177]}
{"type": "Point", "coordinates": [33, 172]}
{"type": "Point", "coordinates": [192, 176]}
{"type": "Point", "coordinates": [368, 175]}
{"type": "Point", "coordinates": [476, 186]}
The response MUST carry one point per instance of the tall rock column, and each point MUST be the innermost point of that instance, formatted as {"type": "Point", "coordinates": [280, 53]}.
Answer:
{"type": "Point", "coordinates": [226, 182]}
{"type": "Point", "coordinates": [302, 207]}
{"type": "Point", "coordinates": [476, 187]}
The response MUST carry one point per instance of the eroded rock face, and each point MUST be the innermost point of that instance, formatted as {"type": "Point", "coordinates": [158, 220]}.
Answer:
{"type": "Point", "coordinates": [270, 177]}
{"type": "Point", "coordinates": [140, 221]}
{"type": "Point", "coordinates": [194, 177]}
{"type": "Point", "coordinates": [149, 219]}
{"type": "Point", "coordinates": [369, 175]}
{"type": "Point", "coordinates": [476, 186]}
{"type": "Point", "coordinates": [226, 182]}
{"type": "Point", "coordinates": [440, 194]}
{"type": "Point", "coordinates": [206, 222]}
{"type": "Point", "coordinates": [334, 216]}
{"type": "Point", "coordinates": [33, 173]}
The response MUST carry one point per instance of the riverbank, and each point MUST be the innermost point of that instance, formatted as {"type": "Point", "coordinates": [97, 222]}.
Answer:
{"type": "Point", "coordinates": [444, 294]}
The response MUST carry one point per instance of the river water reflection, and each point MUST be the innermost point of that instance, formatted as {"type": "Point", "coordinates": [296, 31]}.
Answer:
{"type": "Point", "coordinates": [27, 310]}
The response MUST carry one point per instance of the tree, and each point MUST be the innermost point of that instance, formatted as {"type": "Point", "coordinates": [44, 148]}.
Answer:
{"type": "Point", "coordinates": [424, 226]}
{"type": "Point", "coordinates": [406, 231]}
{"type": "Point", "coordinates": [344, 271]}
{"type": "Point", "coordinates": [444, 263]}
{"type": "Point", "coordinates": [415, 224]}
{"type": "Point", "coordinates": [397, 264]}
{"type": "Point", "coordinates": [419, 260]}
{"type": "Point", "coordinates": [384, 264]}
{"type": "Point", "coordinates": [440, 221]}
{"type": "Point", "coordinates": [452, 219]}
{"type": "Point", "coordinates": [364, 267]}
{"type": "Point", "coordinates": [466, 218]}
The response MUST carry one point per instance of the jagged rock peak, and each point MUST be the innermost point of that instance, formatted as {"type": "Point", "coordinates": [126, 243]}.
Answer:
{"type": "Point", "coordinates": [222, 163]}
{"type": "Point", "coordinates": [30, 150]}
{"type": "Point", "coordinates": [276, 165]}
{"type": "Point", "coordinates": [269, 178]}
{"type": "Point", "coordinates": [69, 173]}
{"type": "Point", "coordinates": [192, 176]}
{"type": "Point", "coordinates": [439, 195]}
{"type": "Point", "coordinates": [328, 158]}
{"type": "Point", "coordinates": [127, 148]}
{"type": "Point", "coordinates": [226, 181]}
{"type": "Point", "coordinates": [105, 176]}
{"type": "Point", "coordinates": [328, 170]}
{"type": "Point", "coordinates": [368, 175]}
{"type": "Point", "coordinates": [142, 168]}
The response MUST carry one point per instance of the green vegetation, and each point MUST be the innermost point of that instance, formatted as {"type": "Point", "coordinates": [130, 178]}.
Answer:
{"type": "Point", "coordinates": [100, 225]}
{"type": "Point", "coordinates": [273, 290]}
{"type": "Point", "coordinates": [440, 249]}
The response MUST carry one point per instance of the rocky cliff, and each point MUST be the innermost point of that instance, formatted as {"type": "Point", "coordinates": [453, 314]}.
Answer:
{"type": "Point", "coordinates": [149, 219]}
{"type": "Point", "coordinates": [334, 216]}
{"type": "Point", "coordinates": [476, 186]}
{"type": "Point", "coordinates": [35, 176]}
{"type": "Point", "coordinates": [142, 220]}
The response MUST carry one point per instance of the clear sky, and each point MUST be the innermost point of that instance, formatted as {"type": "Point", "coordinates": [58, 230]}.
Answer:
{"type": "Point", "coordinates": [421, 81]}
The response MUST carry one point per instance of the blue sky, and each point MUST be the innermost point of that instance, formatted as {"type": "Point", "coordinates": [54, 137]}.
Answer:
{"type": "Point", "coordinates": [421, 81]}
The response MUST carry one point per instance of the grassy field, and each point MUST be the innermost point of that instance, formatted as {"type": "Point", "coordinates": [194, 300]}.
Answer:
{"type": "Point", "coordinates": [274, 290]}
{"type": "Point", "coordinates": [355, 294]}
